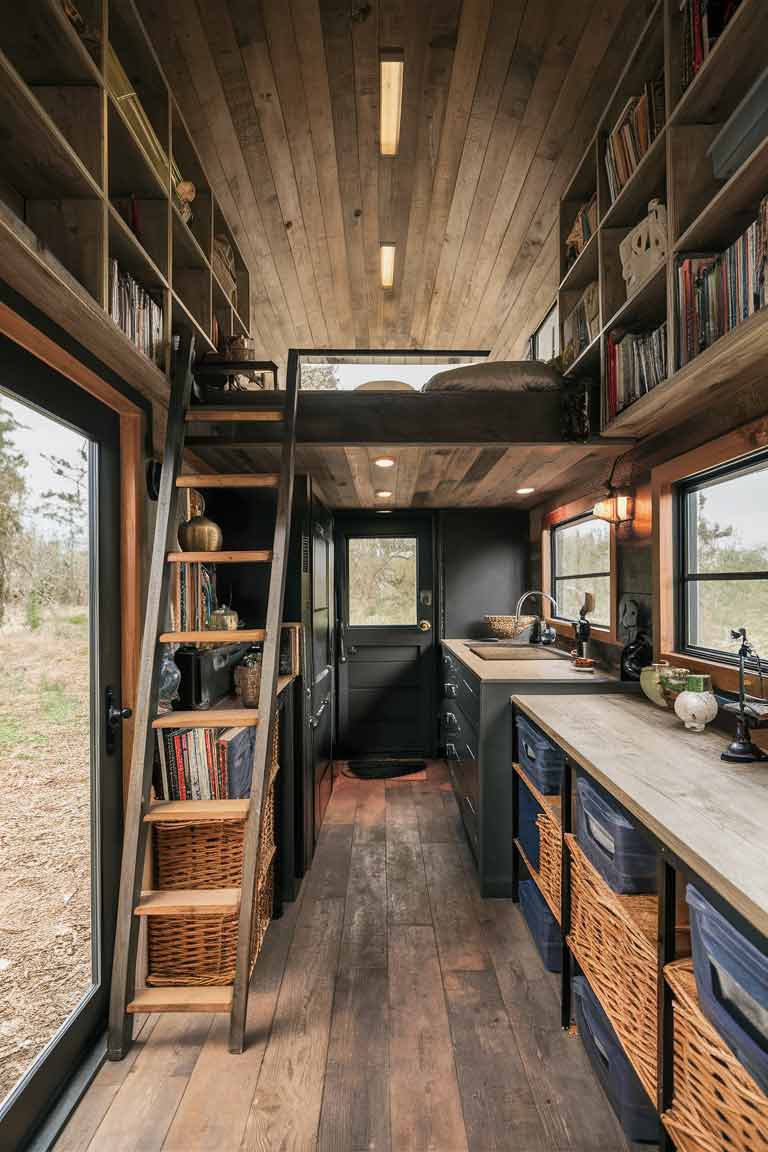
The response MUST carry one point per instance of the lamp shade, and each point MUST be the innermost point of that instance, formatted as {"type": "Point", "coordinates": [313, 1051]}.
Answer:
{"type": "Point", "coordinates": [617, 508]}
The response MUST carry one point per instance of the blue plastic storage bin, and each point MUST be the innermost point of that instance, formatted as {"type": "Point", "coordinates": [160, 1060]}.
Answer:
{"type": "Point", "coordinates": [621, 853]}
{"type": "Point", "coordinates": [732, 982]}
{"type": "Point", "coordinates": [527, 828]}
{"type": "Point", "coordinates": [544, 928]}
{"type": "Point", "coordinates": [620, 1082]}
{"type": "Point", "coordinates": [541, 760]}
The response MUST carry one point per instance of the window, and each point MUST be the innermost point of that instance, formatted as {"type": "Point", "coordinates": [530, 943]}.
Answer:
{"type": "Point", "coordinates": [545, 341]}
{"type": "Point", "coordinates": [581, 562]}
{"type": "Point", "coordinates": [382, 575]}
{"type": "Point", "coordinates": [723, 558]}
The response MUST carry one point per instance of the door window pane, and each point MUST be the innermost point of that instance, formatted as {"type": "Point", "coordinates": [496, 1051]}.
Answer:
{"type": "Point", "coordinates": [382, 577]}
{"type": "Point", "coordinates": [581, 563]}
{"type": "Point", "coordinates": [46, 896]}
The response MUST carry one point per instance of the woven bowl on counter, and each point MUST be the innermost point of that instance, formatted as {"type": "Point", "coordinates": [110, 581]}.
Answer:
{"type": "Point", "coordinates": [509, 627]}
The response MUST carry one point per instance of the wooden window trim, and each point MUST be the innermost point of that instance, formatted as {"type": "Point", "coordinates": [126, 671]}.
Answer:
{"type": "Point", "coordinates": [581, 507]}
{"type": "Point", "coordinates": [664, 480]}
{"type": "Point", "coordinates": [131, 419]}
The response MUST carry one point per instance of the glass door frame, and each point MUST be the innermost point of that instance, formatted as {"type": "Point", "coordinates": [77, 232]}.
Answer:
{"type": "Point", "coordinates": [104, 419]}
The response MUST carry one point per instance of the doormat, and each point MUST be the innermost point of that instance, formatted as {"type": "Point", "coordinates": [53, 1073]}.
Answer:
{"type": "Point", "coordinates": [382, 769]}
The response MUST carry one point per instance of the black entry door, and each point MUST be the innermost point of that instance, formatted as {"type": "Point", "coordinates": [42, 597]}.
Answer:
{"type": "Point", "coordinates": [60, 765]}
{"type": "Point", "coordinates": [386, 635]}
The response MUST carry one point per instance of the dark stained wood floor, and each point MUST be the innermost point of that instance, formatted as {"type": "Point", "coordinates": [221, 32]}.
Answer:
{"type": "Point", "coordinates": [391, 1009]}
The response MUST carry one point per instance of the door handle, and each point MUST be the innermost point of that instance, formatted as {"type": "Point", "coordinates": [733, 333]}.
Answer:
{"type": "Point", "coordinates": [424, 625]}
{"type": "Point", "coordinates": [115, 716]}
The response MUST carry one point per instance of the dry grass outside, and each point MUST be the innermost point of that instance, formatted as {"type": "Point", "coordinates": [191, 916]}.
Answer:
{"type": "Point", "coordinates": [45, 833]}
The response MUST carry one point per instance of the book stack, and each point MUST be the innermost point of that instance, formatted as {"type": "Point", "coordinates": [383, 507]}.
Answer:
{"type": "Point", "coordinates": [136, 313]}
{"type": "Point", "coordinates": [636, 363]}
{"type": "Point", "coordinates": [582, 325]}
{"type": "Point", "coordinates": [702, 21]}
{"type": "Point", "coordinates": [204, 763]}
{"type": "Point", "coordinates": [641, 120]}
{"type": "Point", "coordinates": [715, 293]}
{"type": "Point", "coordinates": [193, 596]}
{"type": "Point", "coordinates": [584, 228]}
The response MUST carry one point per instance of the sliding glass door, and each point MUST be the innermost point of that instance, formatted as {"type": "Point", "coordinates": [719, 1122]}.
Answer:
{"type": "Point", "coordinates": [60, 765]}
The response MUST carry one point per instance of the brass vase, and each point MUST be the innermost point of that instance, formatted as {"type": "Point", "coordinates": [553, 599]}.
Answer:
{"type": "Point", "coordinates": [200, 534]}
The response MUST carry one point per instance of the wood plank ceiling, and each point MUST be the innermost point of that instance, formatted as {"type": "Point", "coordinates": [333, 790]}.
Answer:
{"type": "Point", "coordinates": [501, 98]}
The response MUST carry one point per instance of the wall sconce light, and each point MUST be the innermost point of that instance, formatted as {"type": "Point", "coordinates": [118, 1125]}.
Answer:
{"type": "Point", "coordinates": [391, 76]}
{"type": "Point", "coordinates": [617, 508]}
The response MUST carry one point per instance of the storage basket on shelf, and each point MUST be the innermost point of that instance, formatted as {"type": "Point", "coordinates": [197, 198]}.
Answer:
{"type": "Point", "coordinates": [200, 949]}
{"type": "Point", "coordinates": [716, 1103]}
{"type": "Point", "coordinates": [549, 841]}
{"type": "Point", "coordinates": [510, 627]}
{"type": "Point", "coordinates": [611, 842]}
{"type": "Point", "coordinates": [614, 940]}
{"type": "Point", "coordinates": [543, 926]}
{"type": "Point", "coordinates": [540, 758]}
{"type": "Point", "coordinates": [621, 1084]}
{"type": "Point", "coordinates": [732, 982]}
{"type": "Point", "coordinates": [527, 827]}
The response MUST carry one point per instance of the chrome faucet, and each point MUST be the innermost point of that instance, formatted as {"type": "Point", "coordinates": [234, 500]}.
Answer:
{"type": "Point", "coordinates": [544, 596]}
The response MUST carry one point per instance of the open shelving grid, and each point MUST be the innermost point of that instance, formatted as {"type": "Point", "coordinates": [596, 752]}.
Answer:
{"type": "Point", "coordinates": [703, 214]}
{"type": "Point", "coordinates": [82, 188]}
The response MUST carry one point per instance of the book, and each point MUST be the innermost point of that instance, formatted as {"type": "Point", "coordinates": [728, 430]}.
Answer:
{"type": "Point", "coordinates": [136, 313]}
{"type": "Point", "coordinates": [638, 124]}
{"type": "Point", "coordinates": [237, 746]}
{"type": "Point", "coordinates": [701, 24]}
{"type": "Point", "coordinates": [636, 363]}
{"type": "Point", "coordinates": [204, 763]}
{"type": "Point", "coordinates": [582, 325]}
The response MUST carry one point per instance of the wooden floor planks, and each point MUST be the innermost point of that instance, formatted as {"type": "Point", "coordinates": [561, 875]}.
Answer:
{"type": "Point", "coordinates": [392, 1010]}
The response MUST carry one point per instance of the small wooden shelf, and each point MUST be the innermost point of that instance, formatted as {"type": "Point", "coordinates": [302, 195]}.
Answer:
{"type": "Point", "coordinates": [587, 362]}
{"type": "Point", "coordinates": [206, 415]}
{"type": "Point", "coordinates": [45, 48]}
{"type": "Point", "coordinates": [179, 998]}
{"type": "Point", "coordinates": [732, 208]}
{"type": "Point", "coordinates": [182, 811]}
{"type": "Point", "coordinates": [646, 307]}
{"type": "Point", "coordinates": [584, 269]}
{"type": "Point", "coordinates": [189, 902]}
{"type": "Point", "coordinates": [187, 252]}
{"type": "Point", "coordinates": [259, 556]}
{"type": "Point", "coordinates": [239, 636]}
{"type": "Point", "coordinates": [552, 804]}
{"type": "Point", "coordinates": [183, 317]}
{"type": "Point", "coordinates": [229, 480]}
{"type": "Point", "coordinates": [130, 254]}
{"type": "Point", "coordinates": [131, 172]}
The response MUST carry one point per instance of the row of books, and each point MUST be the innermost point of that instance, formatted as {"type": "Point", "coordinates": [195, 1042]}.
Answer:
{"type": "Point", "coordinates": [717, 292]}
{"type": "Point", "coordinates": [193, 596]}
{"type": "Point", "coordinates": [204, 763]}
{"type": "Point", "coordinates": [582, 325]}
{"type": "Point", "coordinates": [702, 21]}
{"type": "Point", "coordinates": [584, 228]}
{"type": "Point", "coordinates": [636, 363]}
{"type": "Point", "coordinates": [641, 120]}
{"type": "Point", "coordinates": [136, 313]}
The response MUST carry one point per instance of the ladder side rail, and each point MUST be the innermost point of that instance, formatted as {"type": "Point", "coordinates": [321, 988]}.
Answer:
{"type": "Point", "coordinates": [267, 708]}
{"type": "Point", "coordinates": [135, 830]}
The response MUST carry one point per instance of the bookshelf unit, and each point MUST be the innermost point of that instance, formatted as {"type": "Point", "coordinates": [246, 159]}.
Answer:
{"type": "Point", "coordinates": [81, 186]}
{"type": "Point", "coordinates": [703, 215]}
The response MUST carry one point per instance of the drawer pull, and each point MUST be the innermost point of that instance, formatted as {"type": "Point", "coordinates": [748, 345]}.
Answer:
{"type": "Point", "coordinates": [451, 691]}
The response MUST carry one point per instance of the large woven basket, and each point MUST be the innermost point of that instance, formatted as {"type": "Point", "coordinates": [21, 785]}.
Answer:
{"type": "Point", "coordinates": [550, 859]}
{"type": "Point", "coordinates": [509, 627]}
{"type": "Point", "coordinates": [614, 940]}
{"type": "Point", "coordinates": [716, 1103]}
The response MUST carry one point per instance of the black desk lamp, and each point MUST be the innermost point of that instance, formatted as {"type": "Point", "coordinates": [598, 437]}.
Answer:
{"type": "Point", "coordinates": [742, 750]}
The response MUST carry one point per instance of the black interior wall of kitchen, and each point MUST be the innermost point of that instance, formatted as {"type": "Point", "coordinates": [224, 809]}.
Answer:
{"type": "Point", "coordinates": [483, 567]}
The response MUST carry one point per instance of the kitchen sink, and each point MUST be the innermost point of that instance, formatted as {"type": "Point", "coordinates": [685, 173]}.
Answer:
{"type": "Point", "coordinates": [516, 652]}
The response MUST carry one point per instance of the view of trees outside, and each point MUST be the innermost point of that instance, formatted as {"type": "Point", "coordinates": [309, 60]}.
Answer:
{"type": "Point", "coordinates": [319, 377]}
{"type": "Point", "coordinates": [580, 548]}
{"type": "Point", "coordinates": [45, 759]}
{"type": "Point", "coordinates": [382, 580]}
{"type": "Point", "coordinates": [729, 533]}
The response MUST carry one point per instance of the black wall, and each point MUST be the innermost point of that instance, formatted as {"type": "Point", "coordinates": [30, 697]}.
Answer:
{"type": "Point", "coordinates": [483, 565]}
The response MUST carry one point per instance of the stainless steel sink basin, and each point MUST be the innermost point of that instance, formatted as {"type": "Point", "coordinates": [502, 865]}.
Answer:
{"type": "Point", "coordinates": [516, 652]}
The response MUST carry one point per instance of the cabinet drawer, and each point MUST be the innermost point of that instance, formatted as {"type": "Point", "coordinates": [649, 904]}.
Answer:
{"type": "Point", "coordinates": [457, 726]}
{"type": "Point", "coordinates": [464, 790]}
{"type": "Point", "coordinates": [459, 684]}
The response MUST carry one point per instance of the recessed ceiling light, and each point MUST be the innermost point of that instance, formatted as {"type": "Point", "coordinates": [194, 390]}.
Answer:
{"type": "Point", "coordinates": [391, 75]}
{"type": "Point", "coordinates": [383, 511]}
{"type": "Point", "coordinates": [383, 494]}
{"type": "Point", "coordinates": [524, 491]}
{"type": "Point", "coordinates": [384, 462]}
{"type": "Point", "coordinates": [387, 265]}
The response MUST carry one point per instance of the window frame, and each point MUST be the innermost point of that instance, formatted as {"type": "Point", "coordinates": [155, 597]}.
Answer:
{"type": "Point", "coordinates": [684, 579]}
{"type": "Point", "coordinates": [533, 340]}
{"type": "Point", "coordinates": [577, 509]}
{"type": "Point", "coordinates": [553, 576]}
{"type": "Point", "coordinates": [390, 535]}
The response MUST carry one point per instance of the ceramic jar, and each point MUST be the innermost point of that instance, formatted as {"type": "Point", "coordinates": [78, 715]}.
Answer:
{"type": "Point", "coordinates": [224, 619]}
{"type": "Point", "coordinates": [200, 534]}
{"type": "Point", "coordinates": [696, 706]}
{"type": "Point", "coordinates": [673, 681]}
{"type": "Point", "coordinates": [650, 682]}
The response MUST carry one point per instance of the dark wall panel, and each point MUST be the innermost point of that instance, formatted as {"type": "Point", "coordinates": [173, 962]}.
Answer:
{"type": "Point", "coordinates": [483, 566]}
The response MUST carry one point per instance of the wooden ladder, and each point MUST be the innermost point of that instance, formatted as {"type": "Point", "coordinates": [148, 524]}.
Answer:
{"type": "Point", "coordinates": [125, 1000]}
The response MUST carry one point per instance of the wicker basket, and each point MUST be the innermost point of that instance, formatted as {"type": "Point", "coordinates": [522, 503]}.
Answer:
{"type": "Point", "coordinates": [614, 940]}
{"type": "Point", "coordinates": [509, 627]}
{"type": "Point", "coordinates": [550, 859]}
{"type": "Point", "coordinates": [193, 854]}
{"type": "Point", "coordinates": [716, 1103]}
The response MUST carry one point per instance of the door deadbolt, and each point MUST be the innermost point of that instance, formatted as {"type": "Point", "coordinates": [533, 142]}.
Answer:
{"type": "Point", "coordinates": [424, 625]}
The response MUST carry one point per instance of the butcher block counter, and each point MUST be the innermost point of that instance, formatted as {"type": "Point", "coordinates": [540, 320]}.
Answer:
{"type": "Point", "coordinates": [476, 730]}
{"type": "Point", "coordinates": [712, 815]}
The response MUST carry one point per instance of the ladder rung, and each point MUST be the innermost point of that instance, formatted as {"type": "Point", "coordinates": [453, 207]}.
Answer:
{"type": "Point", "coordinates": [188, 902]}
{"type": "Point", "coordinates": [230, 480]}
{"type": "Point", "coordinates": [205, 415]}
{"type": "Point", "coordinates": [239, 636]}
{"type": "Point", "coordinates": [168, 811]}
{"type": "Point", "coordinates": [257, 556]}
{"type": "Point", "coordinates": [180, 999]}
{"type": "Point", "coordinates": [234, 717]}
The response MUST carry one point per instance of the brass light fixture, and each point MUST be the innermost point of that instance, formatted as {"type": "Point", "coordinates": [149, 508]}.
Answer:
{"type": "Point", "coordinates": [387, 265]}
{"type": "Point", "coordinates": [616, 508]}
{"type": "Point", "coordinates": [391, 77]}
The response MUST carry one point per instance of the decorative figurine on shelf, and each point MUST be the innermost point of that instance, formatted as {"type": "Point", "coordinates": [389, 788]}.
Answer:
{"type": "Point", "coordinates": [742, 749]}
{"type": "Point", "coordinates": [200, 534]}
{"type": "Point", "coordinates": [224, 619]}
{"type": "Point", "coordinates": [696, 706]}
{"type": "Point", "coordinates": [248, 676]}
{"type": "Point", "coordinates": [169, 678]}
{"type": "Point", "coordinates": [650, 682]}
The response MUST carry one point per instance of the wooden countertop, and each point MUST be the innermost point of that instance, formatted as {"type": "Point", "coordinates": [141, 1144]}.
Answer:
{"type": "Point", "coordinates": [713, 815]}
{"type": "Point", "coordinates": [499, 671]}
